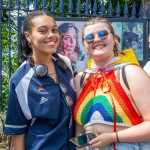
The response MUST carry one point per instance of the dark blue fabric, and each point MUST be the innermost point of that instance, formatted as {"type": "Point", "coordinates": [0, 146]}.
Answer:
{"type": "Point", "coordinates": [50, 130]}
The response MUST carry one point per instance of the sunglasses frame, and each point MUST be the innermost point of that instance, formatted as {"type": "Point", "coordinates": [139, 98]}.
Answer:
{"type": "Point", "coordinates": [103, 34]}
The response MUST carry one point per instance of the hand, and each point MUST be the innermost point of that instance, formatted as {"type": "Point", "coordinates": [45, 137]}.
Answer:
{"type": "Point", "coordinates": [103, 140]}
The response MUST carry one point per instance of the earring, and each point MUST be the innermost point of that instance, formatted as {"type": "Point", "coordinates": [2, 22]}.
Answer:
{"type": "Point", "coordinates": [29, 44]}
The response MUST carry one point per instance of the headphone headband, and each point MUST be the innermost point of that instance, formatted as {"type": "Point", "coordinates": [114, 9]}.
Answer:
{"type": "Point", "coordinates": [41, 70]}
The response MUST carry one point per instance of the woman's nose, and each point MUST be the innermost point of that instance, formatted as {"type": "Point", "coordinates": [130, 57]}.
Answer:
{"type": "Point", "coordinates": [71, 40]}
{"type": "Point", "coordinates": [50, 34]}
{"type": "Point", "coordinates": [96, 38]}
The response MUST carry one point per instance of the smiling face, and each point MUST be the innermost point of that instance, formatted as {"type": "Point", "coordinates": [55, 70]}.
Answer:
{"type": "Point", "coordinates": [101, 49]}
{"type": "Point", "coordinates": [70, 40]}
{"type": "Point", "coordinates": [44, 36]}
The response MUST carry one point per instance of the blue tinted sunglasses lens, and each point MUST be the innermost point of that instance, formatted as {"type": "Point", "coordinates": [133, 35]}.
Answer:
{"type": "Point", "coordinates": [102, 33]}
{"type": "Point", "coordinates": [89, 37]}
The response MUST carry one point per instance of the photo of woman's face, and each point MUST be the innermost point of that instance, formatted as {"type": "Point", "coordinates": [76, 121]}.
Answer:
{"type": "Point", "coordinates": [70, 39]}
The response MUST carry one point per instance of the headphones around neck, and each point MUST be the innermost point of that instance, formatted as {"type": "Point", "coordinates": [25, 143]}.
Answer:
{"type": "Point", "coordinates": [41, 70]}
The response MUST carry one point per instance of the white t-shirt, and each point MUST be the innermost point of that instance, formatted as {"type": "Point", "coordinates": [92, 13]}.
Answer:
{"type": "Point", "coordinates": [147, 68]}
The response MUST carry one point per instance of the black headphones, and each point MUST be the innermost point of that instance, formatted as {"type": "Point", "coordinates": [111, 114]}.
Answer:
{"type": "Point", "coordinates": [41, 70]}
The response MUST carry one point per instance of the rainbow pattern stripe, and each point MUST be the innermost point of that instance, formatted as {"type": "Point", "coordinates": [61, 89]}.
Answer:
{"type": "Point", "coordinates": [41, 89]}
{"type": "Point", "coordinates": [87, 104]}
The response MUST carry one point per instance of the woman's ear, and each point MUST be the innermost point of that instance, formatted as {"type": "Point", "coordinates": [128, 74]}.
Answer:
{"type": "Point", "coordinates": [27, 35]}
{"type": "Point", "coordinates": [83, 42]}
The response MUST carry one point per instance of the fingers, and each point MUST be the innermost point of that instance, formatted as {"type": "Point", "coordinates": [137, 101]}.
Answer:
{"type": "Point", "coordinates": [95, 140]}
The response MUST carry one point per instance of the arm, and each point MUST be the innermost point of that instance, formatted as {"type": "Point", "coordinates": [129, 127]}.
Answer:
{"type": "Point", "coordinates": [18, 142]}
{"type": "Point", "coordinates": [16, 122]}
{"type": "Point", "coordinates": [79, 128]}
{"type": "Point", "coordinates": [81, 78]}
{"type": "Point", "coordinates": [77, 83]}
{"type": "Point", "coordinates": [139, 83]}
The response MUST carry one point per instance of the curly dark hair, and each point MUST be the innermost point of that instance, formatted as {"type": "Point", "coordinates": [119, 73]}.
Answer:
{"type": "Point", "coordinates": [24, 47]}
{"type": "Point", "coordinates": [62, 29]}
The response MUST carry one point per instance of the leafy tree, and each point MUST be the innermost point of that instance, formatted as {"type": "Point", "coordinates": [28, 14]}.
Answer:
{"type": "Point", "coordinates": [122, 4]}
{"type": "Point", "coordinates": [8, 65]}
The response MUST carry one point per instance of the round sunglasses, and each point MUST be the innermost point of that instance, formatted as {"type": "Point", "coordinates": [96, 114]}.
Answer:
{"type": "Point", "coordinates": [103, 34]}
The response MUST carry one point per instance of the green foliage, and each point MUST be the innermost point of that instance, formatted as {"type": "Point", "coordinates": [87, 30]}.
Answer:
{"type": "Point", "coordinates": [8, 65]}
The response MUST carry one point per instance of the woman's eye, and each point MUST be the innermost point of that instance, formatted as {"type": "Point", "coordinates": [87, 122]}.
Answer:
{"type": "Point", "coordinates": [66, 38]}
{"type": "Point", "coordinates": [55, 30]}
{"type": "Point", "coordinates": [42, 31]}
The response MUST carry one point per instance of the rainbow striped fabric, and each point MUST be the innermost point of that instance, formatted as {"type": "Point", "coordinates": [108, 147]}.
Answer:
{"type": "Point", "coordinates": [94, 104]}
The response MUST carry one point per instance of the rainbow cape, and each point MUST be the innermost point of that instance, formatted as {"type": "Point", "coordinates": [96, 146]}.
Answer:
{"type": "Point", "coordinates": [94, 104]}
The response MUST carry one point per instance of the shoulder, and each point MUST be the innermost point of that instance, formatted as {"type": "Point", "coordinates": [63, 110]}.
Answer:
{"type": "Point", "coordinates": [77, 82]}
{"type": "Point", "coordinates": [78, 77]}
{"type": "Point", "coordinates": [67, 61]}
{"type": "Point", "coordinates": [20, 73]}
{"type": "Point", "coordinates": [64, 57]}
{"type": "Point", "coordinates": [133, 69]}
{"type": "Point", "coordinates": [82, 75]}
{"type": "Point", "coordinates": [81, 79]}
{"type": "Point", "coordinates": [136, 76]}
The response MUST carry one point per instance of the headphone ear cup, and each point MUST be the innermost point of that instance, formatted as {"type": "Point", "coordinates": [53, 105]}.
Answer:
{"type": "Point", "coordinates": [41, 70]}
